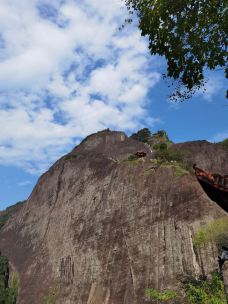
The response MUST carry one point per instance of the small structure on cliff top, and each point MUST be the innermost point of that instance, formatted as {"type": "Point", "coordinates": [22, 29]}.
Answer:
{"type": "Point", "coordinates": [215, 185]}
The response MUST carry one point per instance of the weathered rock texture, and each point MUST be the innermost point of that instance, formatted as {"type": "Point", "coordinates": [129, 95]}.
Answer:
{"type": "Point", "coordinates": [100, 230]}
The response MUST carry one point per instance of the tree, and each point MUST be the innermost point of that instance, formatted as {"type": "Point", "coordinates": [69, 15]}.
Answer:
{"type": "Point", "coordinates": [191, 34]}
{"type": "Point", "coordinates": [142, 135]}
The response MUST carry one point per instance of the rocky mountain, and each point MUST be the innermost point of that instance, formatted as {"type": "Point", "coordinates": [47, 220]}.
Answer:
{"type": "Point", "coordinates": [100, 227]}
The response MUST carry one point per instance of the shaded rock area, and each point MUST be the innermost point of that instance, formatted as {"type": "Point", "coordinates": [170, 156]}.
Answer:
{"type": "Point", "coordinates": [101, 230]}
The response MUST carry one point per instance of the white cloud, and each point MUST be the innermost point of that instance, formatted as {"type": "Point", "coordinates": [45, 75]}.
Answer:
{"type": "Point", "coordinates": [24, 183]}
{"type": "Point", "coordinates": [66, 71]}
{"type": "Point", "coordinates": [220, 136]}
{"type": "Point", "coordinates": [212, 86]}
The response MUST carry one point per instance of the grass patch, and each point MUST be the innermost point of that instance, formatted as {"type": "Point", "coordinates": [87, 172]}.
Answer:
{"type": "Point", "coordinates": [179, 170]}
{"type": "Point", "coordinates": [131, 162]}
{"type": "Point", "coordinates": [161, 296]}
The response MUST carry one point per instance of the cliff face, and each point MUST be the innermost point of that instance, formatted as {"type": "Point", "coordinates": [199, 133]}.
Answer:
{"type": "Point", "coordinates": [98, 229]}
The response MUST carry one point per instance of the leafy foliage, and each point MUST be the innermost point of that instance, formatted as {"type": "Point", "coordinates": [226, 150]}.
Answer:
{"type": "Point", "coordinates": [171, 157]}
{"type": "Point", "coordinates": [142, 135]}
{"type": "Point", "coordinates": [161, 134]}
{"type": "Point", "coordinates": [8, 295]}
{"type": "Point", "coordinates": [168, 154]}
{"type": "Point", "coordinates": [215, 231]}
{"type": "Point", "coordinates": [191, 35]}
{"type": "Point", "coordinates": [165, 295]}
{"type": "Point", "coordinates": [160, 140]}
{"type": "Point", "coordinates": [4, 268]}
{"type": "Point", "coordinates": [205, 290]}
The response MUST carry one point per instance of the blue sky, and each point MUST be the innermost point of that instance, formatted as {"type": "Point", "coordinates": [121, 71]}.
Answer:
{"type": "Point", "coordinates": [66, 70]}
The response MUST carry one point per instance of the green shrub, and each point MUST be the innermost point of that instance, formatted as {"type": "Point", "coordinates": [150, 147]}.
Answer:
{"type": "Point", "coordinates": [215, 231]}
{"type": "Point", "coordinates": [169, 154]}
{"type": "Point", "coordinates": [165, 295]}
{"type": "Point", "coordinates": [142, 135]}
{"type": "Point", "coordinates": [161, 134]}
{"type": "Point", "coordinates": [4, 268]}
{"type": "Point", "coordinates": [9, 295]}
{"type": "Point", "coordinates": [205, 290]}
{"type": "Point", "coordinates": [202, 290]}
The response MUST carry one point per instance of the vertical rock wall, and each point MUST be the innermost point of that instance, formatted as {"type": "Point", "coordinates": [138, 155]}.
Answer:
{"type": "Point", "coordinates": [103, 229]}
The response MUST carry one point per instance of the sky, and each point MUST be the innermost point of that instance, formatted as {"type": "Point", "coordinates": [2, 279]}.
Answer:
{"type": "Point", "coordinates": [67, 70]}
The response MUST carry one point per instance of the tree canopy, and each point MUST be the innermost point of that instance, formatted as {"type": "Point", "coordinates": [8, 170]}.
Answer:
{"type": "Point", "coordinates": [142, 135]}
{"type": "Point", "coordinates": [190, 34]}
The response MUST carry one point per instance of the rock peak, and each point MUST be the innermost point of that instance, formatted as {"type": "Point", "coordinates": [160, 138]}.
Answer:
{"type": "Point", "coordinates": [115, 144]}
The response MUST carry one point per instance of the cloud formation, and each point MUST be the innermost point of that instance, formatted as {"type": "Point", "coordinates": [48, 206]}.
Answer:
{"type": "Point", "coordinates": [66, 70]}
{"type": "Point", "coordinates": [220, 136]}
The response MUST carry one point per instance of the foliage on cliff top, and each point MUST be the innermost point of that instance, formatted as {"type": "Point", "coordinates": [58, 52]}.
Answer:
{"type": "Point", "coordinates": [215, 231]}
{"type": "Point", "coordinates": [170, 156]}
{"type": "Point", "coordinates": [154, 140]}
{"type": "Point", "coordinates": [142, 135]}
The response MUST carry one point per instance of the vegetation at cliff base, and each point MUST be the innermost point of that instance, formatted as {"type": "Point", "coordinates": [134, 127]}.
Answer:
{"type": "Point", "coordinates": [8, 294]}
{"type": "Point", "coordinates": [205, 290]}
{"type": "Point", "coordinates": [202, 290]}
{"type": "Point", "coordinates": [191, 35]}
{"type": "Point", "coordinates": [161, 296]}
